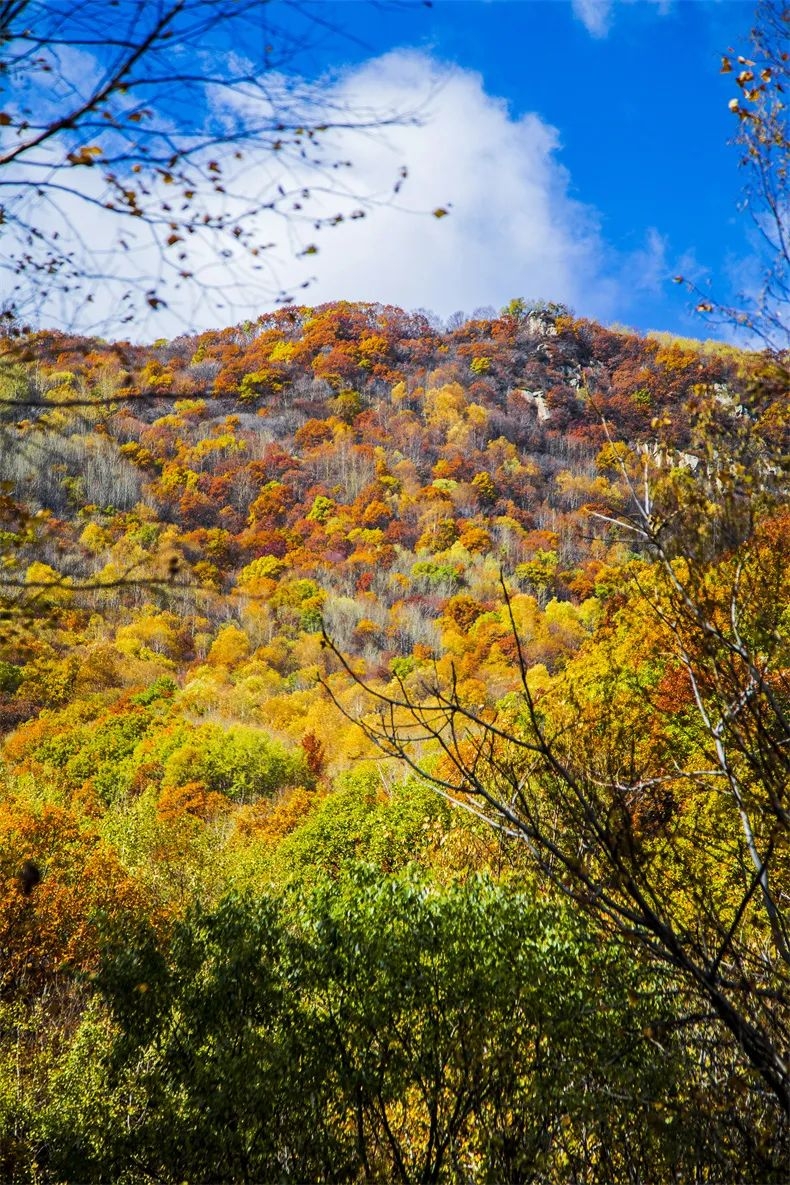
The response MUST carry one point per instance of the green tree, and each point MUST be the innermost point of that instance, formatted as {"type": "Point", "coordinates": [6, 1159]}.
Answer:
{"type": "Point", "coordinates": [377, 1028]}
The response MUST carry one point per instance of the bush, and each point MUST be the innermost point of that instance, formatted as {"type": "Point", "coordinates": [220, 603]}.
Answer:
{"type": "Point", "coordinates": [241, 762]}
{"type": "Point", "coordinates": [379, 1028]}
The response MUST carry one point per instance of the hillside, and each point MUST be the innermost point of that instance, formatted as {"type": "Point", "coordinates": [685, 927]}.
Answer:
{"type": "Point", "coordinates": [350, 462]}
{"type": "Point", "coordinates": [451, 505]}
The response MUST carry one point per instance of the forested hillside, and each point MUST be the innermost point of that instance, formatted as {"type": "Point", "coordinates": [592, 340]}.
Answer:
{"type": "Point", "coordinates": [537, 935]}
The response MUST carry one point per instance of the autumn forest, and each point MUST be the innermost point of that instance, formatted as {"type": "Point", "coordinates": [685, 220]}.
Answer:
{"type": "Point", "coordinates": [394, 704]}
{"type": "Point", "coordinates": [394, 766]}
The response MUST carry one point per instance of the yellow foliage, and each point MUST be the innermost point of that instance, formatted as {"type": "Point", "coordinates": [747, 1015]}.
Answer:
{"type": "Point", "coordinates": [266, 567]}
{"type": "Point", "coordinates": [226, 443]}
{"type": "Point", "coordinates": [54, 587]}
{"type": "Point", "coordinates": [230, 646]}
{"type": "Point", "coordinates": [152, 635]}
{"type": "Point", "coordinates": [95, 538]}
{"type": "Point", "coordinates": [282, 352]}
{"type": "Point", "coordinates": [444, 405]}
{"type": "Point", "coordinates": [204, 691]}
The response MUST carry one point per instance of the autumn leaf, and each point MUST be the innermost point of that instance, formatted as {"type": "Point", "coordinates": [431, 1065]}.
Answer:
{"type": "Point", "coordinates": [85, 156]}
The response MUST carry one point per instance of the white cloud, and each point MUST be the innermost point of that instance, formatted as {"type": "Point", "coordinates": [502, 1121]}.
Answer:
{"type": "Point", "coordinates": [595, 15]}
{"type": "Point", "coordinates": [648, 265]}
{"type": "Point", "coordinates": [513, 228]}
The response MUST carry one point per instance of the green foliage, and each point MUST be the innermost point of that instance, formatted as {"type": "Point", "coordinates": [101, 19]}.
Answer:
{"type": "Point", "coordinates": [517, 307]}
{"type": "Point", "coordinates": [322, 509]}
{"type": "Point", "coordinates": [401, 667]}
{"type": "Point", "coordinates": [10, 678]}
{"type": "Point", "coordinates": [162, 688]}
{"type": "Point", "coordinates": [99, 750]}
{"type": "Point", "coordinates": [379, 1027]}
{"type": "Point", "coordinates": [437, 575]}
{"type": "Point", "coordinates": [361, 820]}
{"type": "Point", "coordinates": [347, 406]}
{"type": "Point", "coordinates": [541, 571]}
{"type": "Point", "coordinates": [240, 762]}
{"type": "Point", "coordinates": [219, 1077]}
{"type": "Point", "coordinates": [298, 603]}
{"type": "Point", "coordinates": [265, 567]}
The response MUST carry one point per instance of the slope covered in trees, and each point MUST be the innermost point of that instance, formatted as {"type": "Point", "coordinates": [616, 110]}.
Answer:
{"type": "Point", "coordinates": [240, 941]}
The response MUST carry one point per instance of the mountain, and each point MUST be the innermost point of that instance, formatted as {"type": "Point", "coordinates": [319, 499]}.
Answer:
{"type": "Point", "coordinates": [394, 727]}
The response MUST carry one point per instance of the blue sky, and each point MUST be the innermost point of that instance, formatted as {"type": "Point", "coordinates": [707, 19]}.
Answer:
{"type": "Point", "coordinates": [637, 109]}
{"type": "Point", "coordinates": [580, 148]}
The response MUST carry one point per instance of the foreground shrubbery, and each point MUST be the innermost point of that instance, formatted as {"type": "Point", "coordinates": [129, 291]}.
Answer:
{"type": "Point", "coordinates": [380, 1028]}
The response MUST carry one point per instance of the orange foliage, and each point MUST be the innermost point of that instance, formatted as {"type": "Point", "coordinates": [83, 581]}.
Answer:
{"type": "Point", "coordinates": [191, 799]}
{"type": "Point", "coordinates": [55, 923]}
{"type": "Point", "coordinates": [271, 822]}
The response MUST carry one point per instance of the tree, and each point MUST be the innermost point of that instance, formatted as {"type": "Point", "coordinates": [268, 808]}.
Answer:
{"type": "Point", "coordinates": [146, 147]}
{"type": "Point", "coordinates": [330, 1036]}
{"type": "Point", "coordinates": [649, 777]}
{"type": "Point", "coordinates": [762, 77]}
